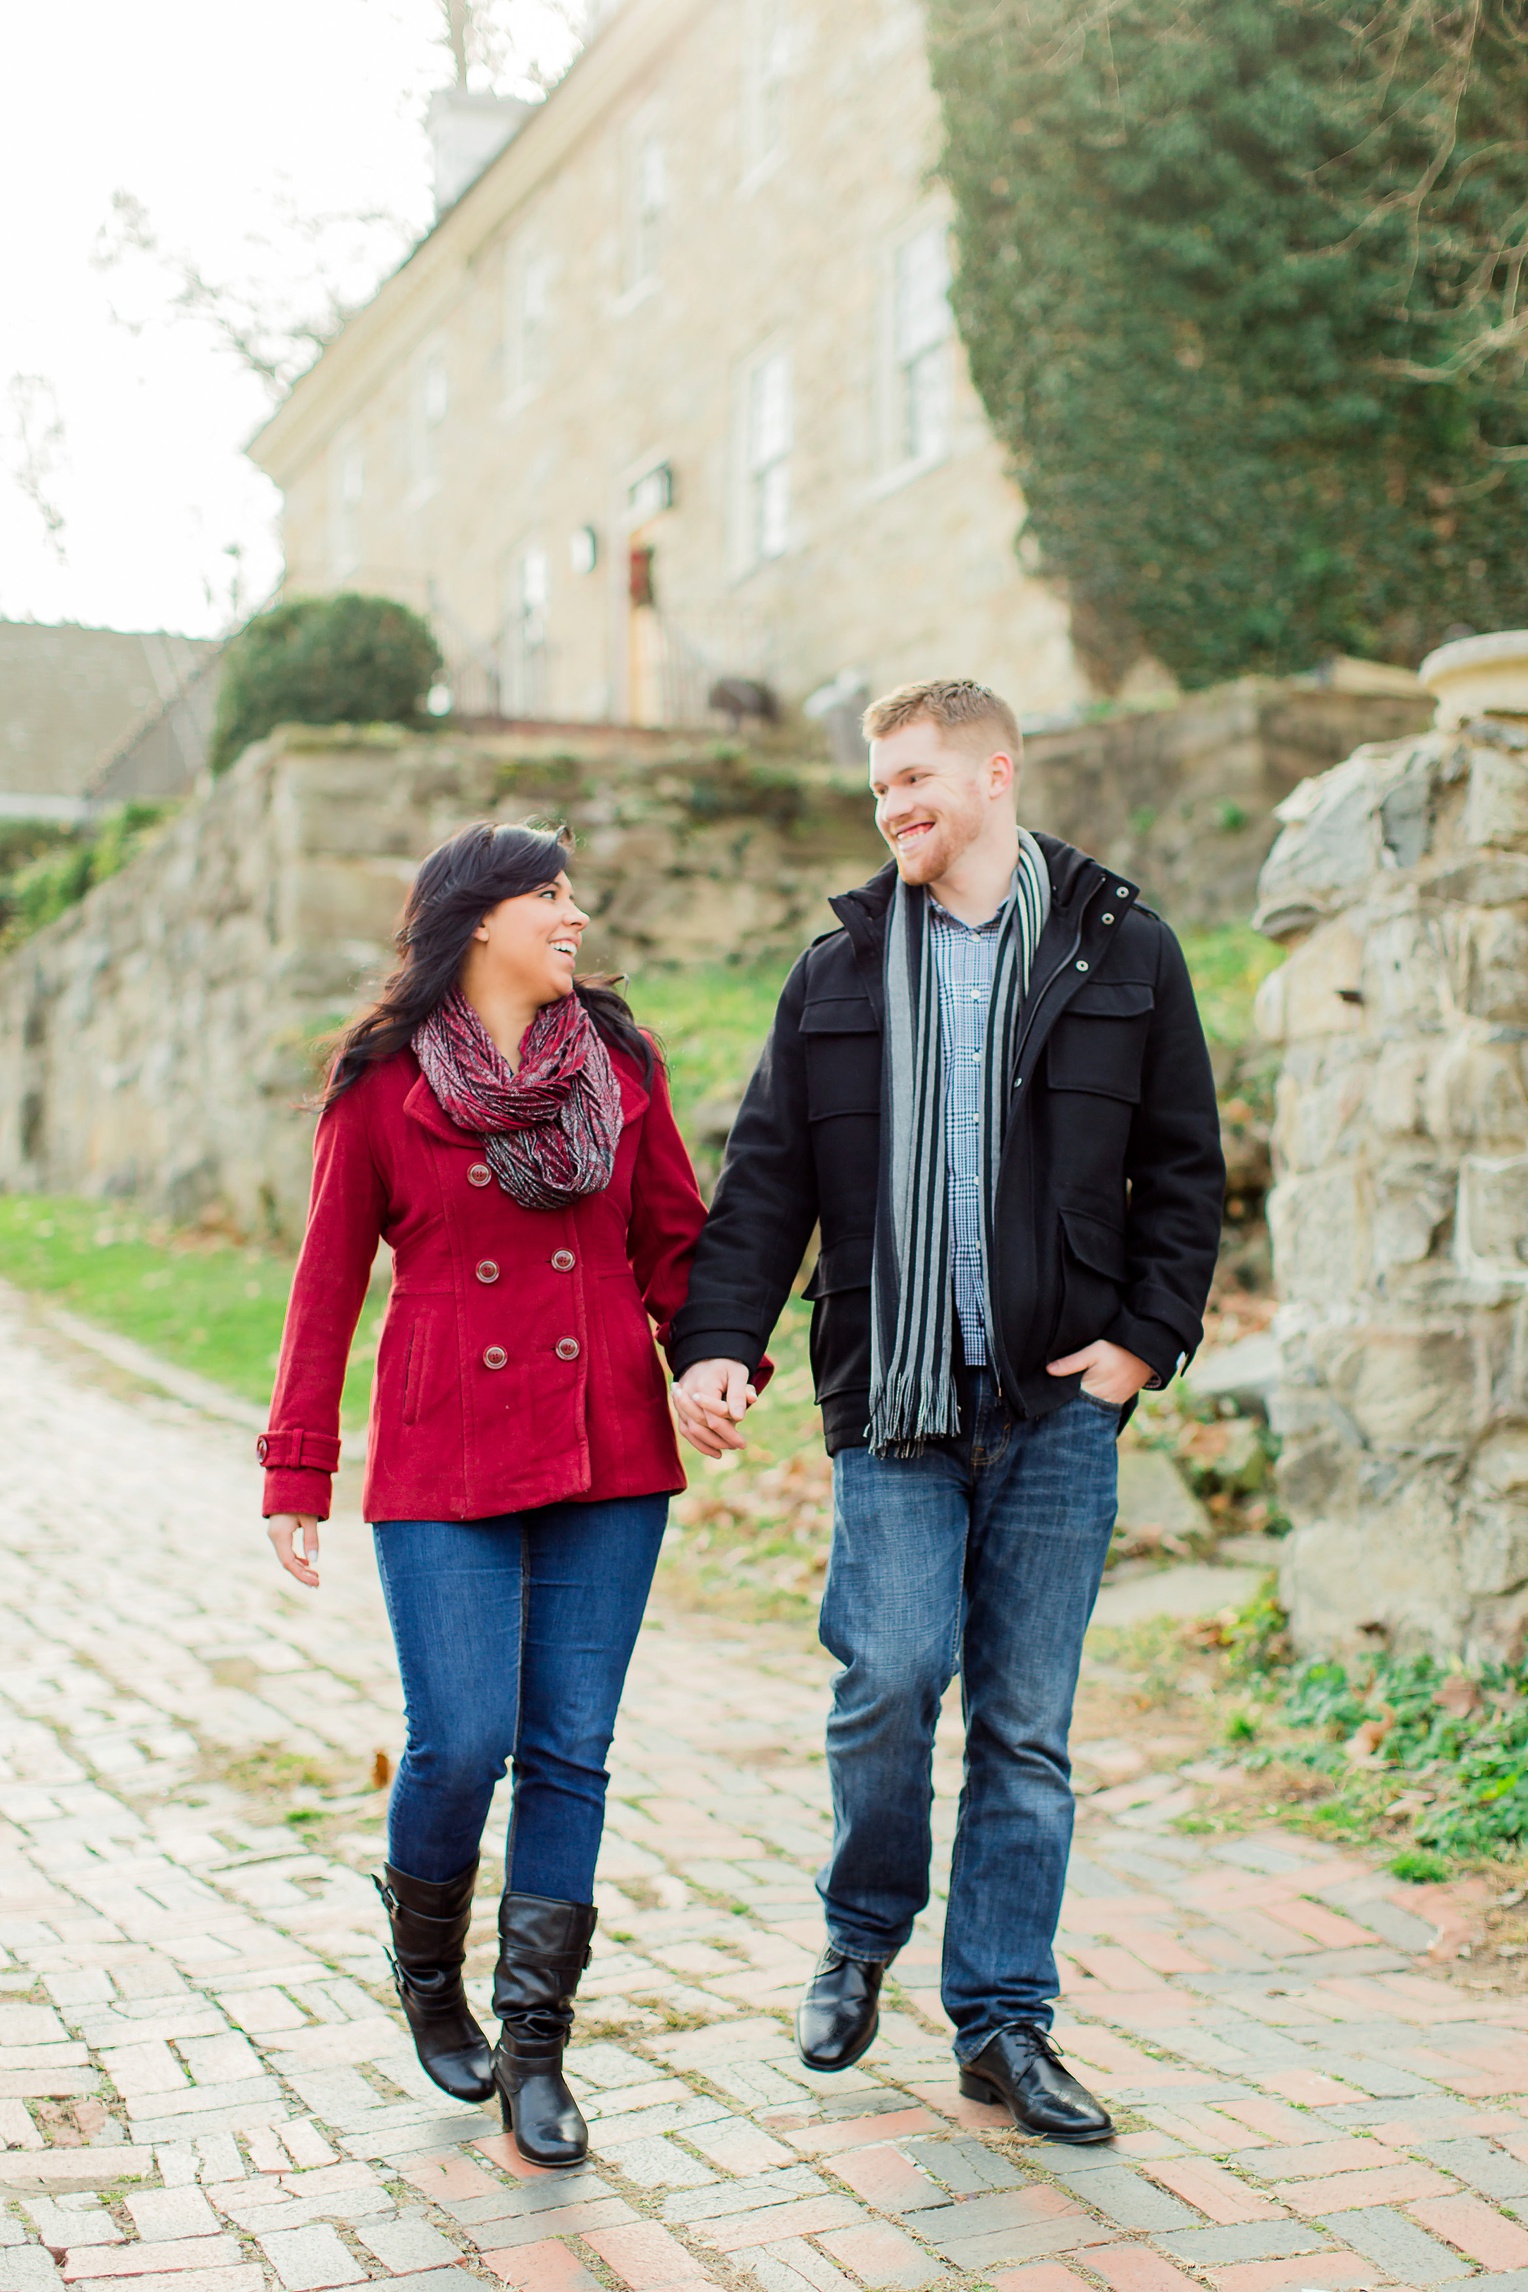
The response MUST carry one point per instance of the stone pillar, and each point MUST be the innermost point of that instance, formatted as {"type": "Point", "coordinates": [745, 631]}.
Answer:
{"type": "Point", "coordinates": [1400, 1213]}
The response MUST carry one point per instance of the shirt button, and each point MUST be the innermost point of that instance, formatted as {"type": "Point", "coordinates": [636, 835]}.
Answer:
{"type": "Point", "coordinates": [487, 1270]}
{"type": "Point", "coordinates": [567, 1348]}
{"type": "Point", "coordinates": [480, 1175]}
{"type": "Point", "coordinates": [1082, 966]}
{"type": "Point", "coordinates": [1122, 891]}
{"type": "Point", "coordinates": [1108, 919]}
{"type": "Point", "coordinates": [564, 1260]}
{"type": "Point", "coordinates": [495, 1357]}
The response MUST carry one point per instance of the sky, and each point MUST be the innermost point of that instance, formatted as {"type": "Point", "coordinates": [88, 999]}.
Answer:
{"type": "Point", "coordinates": [277, 152]}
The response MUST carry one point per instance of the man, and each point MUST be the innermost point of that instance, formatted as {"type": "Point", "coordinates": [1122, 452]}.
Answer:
{"type": "Point", "coordinates": [989, 1091]}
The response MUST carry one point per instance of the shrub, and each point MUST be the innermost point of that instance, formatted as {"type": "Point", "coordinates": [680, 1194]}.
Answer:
{"type": "Point", "coordinates": [322, 660]}
{"type": "Point", "coordinates": [46, 886]}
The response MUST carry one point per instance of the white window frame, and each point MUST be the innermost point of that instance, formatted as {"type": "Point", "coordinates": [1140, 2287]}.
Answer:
{"type": "Point", "coordinates": [644, 203]}
{"type": "Point", "coordinates": [526, 648]}
{"type": "Point", "coordinates": [766, 426]}
{"type": "Point", "coordinates": [431, 406]}
{"type": "Point", "coordinates": [919, 352]}
{"type": "Point", "coordinates": [529, 276]}
{"type": "Point", "coordinates": [767, 59]}
{"type": "Point", "coordinates": [347, 488]}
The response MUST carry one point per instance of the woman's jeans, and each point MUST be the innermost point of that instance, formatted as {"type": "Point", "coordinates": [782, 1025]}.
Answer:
{"type": "Point", "coordinates": [983, 1555]}
{"type": "Point", "coordinates": [513, 1638]}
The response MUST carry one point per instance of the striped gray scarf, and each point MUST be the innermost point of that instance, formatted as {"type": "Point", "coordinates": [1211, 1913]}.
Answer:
{"type": "Point", "coordinates": [912, 1383]}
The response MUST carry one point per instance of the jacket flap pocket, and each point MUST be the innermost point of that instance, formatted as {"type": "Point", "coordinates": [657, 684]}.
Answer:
{"type": "Point", "coordinates": [1099, 1040]}
{"type": "Point", "coordinates": [839, 1015]}
{"type": "Point", "coordinates": [842, 1265]}
{"type": "Point", "coordinates": [1112, 999]}
{"type": "Point", "coordinates": [1094, 1241]}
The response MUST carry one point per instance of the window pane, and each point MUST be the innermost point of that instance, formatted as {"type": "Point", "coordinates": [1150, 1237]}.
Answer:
{"type": "Point", "coordinates": [774, 509]}
{"type": "Point", "coordinates": [650, 176]}
{"type": "Point", "coordinates": [436, 391]}
{"type": "Point", "coordinates": [922, 292]}
{"type": "Point", "coordinates": [927, 404]}
{"type": "Point", "coordinates": [769, 412]}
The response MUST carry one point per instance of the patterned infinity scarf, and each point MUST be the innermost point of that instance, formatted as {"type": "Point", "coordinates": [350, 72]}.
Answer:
{"type": "Point", "coordinates": [912, 1307]}
{"type": "Point", "coordinates": [551, 1129]}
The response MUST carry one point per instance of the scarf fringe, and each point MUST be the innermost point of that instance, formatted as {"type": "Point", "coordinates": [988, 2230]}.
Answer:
{"type": "Point", "coordinates": [914, 1407]}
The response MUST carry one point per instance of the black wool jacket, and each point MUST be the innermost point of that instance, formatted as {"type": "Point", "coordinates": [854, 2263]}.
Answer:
{"type": "Point", "coordinates": [1109, 1189]}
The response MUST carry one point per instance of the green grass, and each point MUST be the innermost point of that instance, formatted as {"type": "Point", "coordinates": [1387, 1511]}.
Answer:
{"type": "Point", "coordinates": [1227, 966]}
{"type": "Point", "coordinates": [200, 1300]}
{"type": "Point", "coordinates": [712, 1024]}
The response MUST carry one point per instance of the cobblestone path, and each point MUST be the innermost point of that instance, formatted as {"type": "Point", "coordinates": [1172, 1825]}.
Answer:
{"type": "Point", "coordinates": [204, 2087]}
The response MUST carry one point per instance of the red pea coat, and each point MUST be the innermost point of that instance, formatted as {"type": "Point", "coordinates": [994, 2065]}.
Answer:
{"type": "Point", "coordinates": [517, 1364]}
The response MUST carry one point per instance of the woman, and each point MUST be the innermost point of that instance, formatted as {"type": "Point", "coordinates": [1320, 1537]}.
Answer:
{"type": "Point", "coordinates": [506, 1129]}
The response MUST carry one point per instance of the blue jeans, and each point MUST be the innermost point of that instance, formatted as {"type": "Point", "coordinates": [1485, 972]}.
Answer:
{"type": "Point", "coordinates": [513, 1637]}
{"type": "Point", "coordinates": [983, 1554]}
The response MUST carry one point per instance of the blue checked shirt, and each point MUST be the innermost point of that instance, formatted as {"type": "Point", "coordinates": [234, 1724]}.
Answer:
{"type": "Point", "coordinates": [965, 964]}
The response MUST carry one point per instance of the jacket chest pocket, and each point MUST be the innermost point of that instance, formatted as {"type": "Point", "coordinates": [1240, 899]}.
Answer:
{"type": "Point", "coordinates": [1099, 1041]}
{"type": "Point", "coordinates": [842, 1044]}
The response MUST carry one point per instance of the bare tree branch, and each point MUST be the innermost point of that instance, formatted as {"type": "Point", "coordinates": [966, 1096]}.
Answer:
{"type": "Point", "coordinates": [39, 432]}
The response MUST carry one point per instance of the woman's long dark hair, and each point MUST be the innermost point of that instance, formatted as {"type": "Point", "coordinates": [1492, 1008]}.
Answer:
{"type": "Point", "coordinates": [453, 891]}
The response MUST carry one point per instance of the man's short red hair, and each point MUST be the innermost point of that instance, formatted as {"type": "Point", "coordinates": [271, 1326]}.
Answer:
{"type": "Point", "coordinates": [968, 712]}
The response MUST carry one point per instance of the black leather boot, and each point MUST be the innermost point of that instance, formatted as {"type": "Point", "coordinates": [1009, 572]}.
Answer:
{"type": "Point", "coordinates": [1021, 2066]}
{"type": "Point", "coordinates": [429, 1925]}
{"type": "Point", "coordinates": [839, 2013]}
{"type": "Point", "coordinates": [544, 1946]}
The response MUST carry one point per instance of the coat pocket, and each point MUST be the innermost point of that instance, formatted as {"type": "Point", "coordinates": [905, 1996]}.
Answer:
{"type": "Point", "coordinates": [413, 1372]}
{"type": "Point", "coordinates": [1093, 1272]}
{"type": "Point", "coordinates": [1099, 1041]}
{"type": "Point", "coordinates": [842, 1044]}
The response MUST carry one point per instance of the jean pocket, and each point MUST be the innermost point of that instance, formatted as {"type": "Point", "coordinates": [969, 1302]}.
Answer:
{"type": "Point", "coordinates": [1109, 1409]}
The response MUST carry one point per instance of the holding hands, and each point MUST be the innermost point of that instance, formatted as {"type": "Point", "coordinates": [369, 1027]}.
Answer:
{"type": "Point", "coordinates": [711, 1400]}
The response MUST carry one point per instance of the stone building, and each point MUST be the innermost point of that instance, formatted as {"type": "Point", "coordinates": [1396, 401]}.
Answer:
{"type": "Point", "coordinates": [98, 712]}
{"type": "Point", "coordinates": [671, 392]}
{"type": "Point", "coordinates": [1400, 1214]}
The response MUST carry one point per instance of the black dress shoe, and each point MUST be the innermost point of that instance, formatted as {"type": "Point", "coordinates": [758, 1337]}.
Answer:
{"type": "Point", "coordinates": [839, 2013]}
{"type": "Point", "coordinates": [1022, 2067]}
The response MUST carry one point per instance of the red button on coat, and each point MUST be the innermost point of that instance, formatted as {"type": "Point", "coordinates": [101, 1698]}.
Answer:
{"type": "Point", "coordinates": [480, 1175]}
{"type": "Point", "coordinates": [564, 1260]}
{"type": "Point", "coordinates": [567, 1348]}
{"type": "Point", "coordinates": [495, 1357]}
{"type": "Point", "coordinates": [487, 1270]}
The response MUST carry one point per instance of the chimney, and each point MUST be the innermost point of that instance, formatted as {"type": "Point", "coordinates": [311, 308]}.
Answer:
{"type": "Point", "coordinates": [466, 132]}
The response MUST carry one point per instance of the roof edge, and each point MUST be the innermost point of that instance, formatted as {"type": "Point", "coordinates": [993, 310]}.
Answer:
{"type": "Point", "coordinates": [416, 295]}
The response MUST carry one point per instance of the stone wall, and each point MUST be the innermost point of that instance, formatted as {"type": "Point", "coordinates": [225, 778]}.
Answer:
{"type": "Point", "coordinates": [1182, 798]}
{"type": "Point", "coordinates": [158, 1040]}
{"type": "Point", "coordinates": [1400, 1214]}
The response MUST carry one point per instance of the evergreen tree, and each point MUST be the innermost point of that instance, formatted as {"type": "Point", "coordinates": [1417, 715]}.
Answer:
{"type": "Point", "coordinates": [1241, 284]}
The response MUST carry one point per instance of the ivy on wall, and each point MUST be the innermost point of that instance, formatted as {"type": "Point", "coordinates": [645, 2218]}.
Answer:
{"type": "Point", "coordinates": [1240, 282]}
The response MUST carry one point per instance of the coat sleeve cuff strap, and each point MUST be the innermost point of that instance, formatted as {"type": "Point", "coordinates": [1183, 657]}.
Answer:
{"type": "Point", "coordinates": [298, 1451]}
{"type": "Point", "coordinates": [307, 1494]}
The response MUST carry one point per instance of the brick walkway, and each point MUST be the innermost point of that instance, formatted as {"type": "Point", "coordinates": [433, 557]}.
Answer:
{"type": "Point", "coordinates": [204, 2088]}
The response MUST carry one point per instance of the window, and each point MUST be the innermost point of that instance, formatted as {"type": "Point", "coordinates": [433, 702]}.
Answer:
{"type": "Point", "coordinates": [920, 345]}
{"type": "Point", "coordinates": [646, 195]}
{"type": "Point", "coordinates": [527, 310]}
{"type": "Point", "coordinates": [347, 483]}
{"type": "Point", "coordinates": [766, 70]}
{"type": "Point", "coordinates": [525, 634]}
{"type": "Point", "coordinates": [432, 400]}
{"type": "Point", "coordinates": [767, 417]}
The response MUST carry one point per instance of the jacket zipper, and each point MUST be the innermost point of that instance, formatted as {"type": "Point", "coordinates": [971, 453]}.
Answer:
{"type": "Point", "coordinates": [1034, 1008]}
